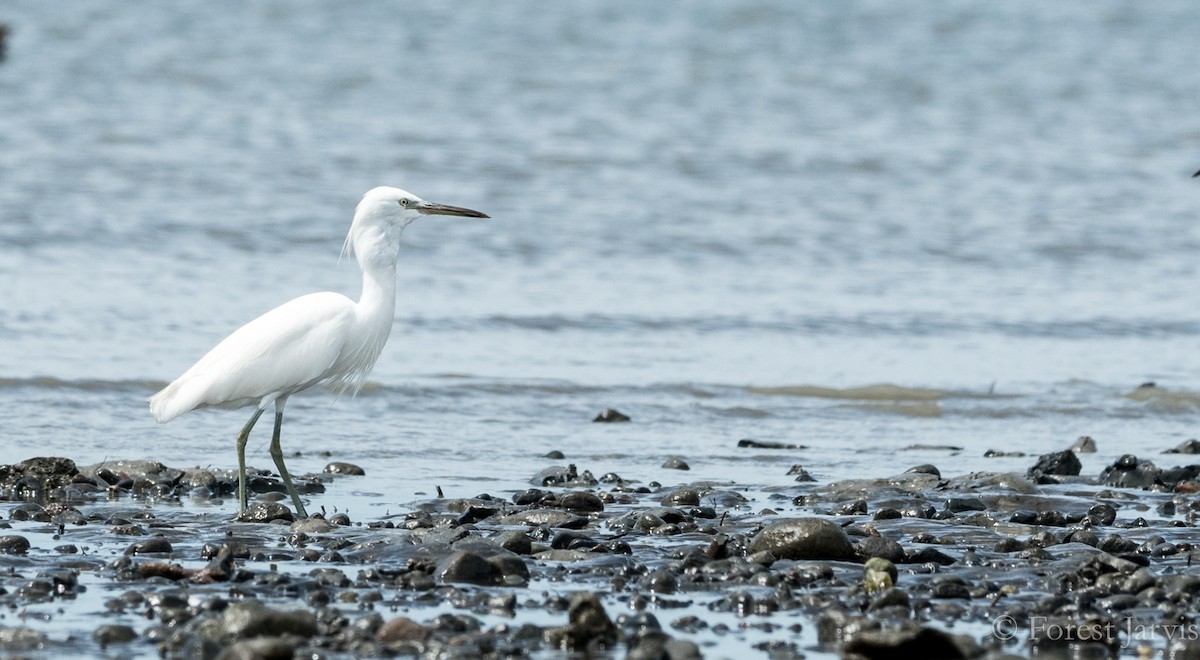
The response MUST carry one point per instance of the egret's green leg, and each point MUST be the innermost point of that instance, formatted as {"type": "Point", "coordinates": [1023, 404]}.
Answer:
{"type": "Point", "coordinates": [277, 454]}
{"type": "Point", "coordinates": [241, 449]}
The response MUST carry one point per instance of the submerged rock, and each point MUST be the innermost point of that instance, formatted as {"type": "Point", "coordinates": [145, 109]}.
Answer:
{"type": "Point", "coordinates": [611, 415]}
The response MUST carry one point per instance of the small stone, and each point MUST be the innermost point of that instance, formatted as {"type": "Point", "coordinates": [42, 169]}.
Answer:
{"type": "Point", "coordinates": [675, 463]}
{"type": "Point", "coordinates": [611, 415]}
{"type": "Point", "coordinates": [344, 468]}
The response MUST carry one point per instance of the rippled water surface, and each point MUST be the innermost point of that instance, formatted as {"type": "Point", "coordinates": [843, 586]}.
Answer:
{"type": "Point", "coordinates": [723, 220]}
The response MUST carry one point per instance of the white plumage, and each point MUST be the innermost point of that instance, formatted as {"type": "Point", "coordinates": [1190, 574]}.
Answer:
{"type": "Point", "coordinates": [313, 339]}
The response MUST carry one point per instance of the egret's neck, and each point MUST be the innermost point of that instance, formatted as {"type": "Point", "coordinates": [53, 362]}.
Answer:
{"type": "Point", "coordinates": [378, 300]}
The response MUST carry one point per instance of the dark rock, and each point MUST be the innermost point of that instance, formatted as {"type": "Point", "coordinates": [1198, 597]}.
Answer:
{"type": "Point", "coordinates": [1102, 514]}
{"type": "Point", "coordinates": [676, 463]}
{"type": "Point", "coordinates": [887, 513]}
{"type": "Point", "coordinates": [1059, 463]}
{"type": "Point", "coordinates": [611, 415]}
{"type": "Point", "coordinates": [1129, 472]}
{"type": "Point", "coordinates": [924, 468]}
{"type": "Point", "coordinates": [683, 496]}
{"type": "Point", "coordinates": [265, 512]}
{"type": "Point", "coordinates": [765, 444]}
{"type": "Point", "coordinates": [514, 541]}
{"type": "Point", "coordinates": [890, 598]}
{"type": "Point", "coordinates": [154, 544]}
{"type": "Point", "coordinates": [804, 538]}
{"type": "Point", "coordinates": [343, 468]}
{"type": "Point", "coordinates": [960, 504]}
{"type": "Point", "coordinates": [588, 628]}
{"type": "Point", "coordinates": [1186, 447]}
{"type": "Point", "coordinates": [855, 508]}
{"type": "Point", "coordinates": [884, 548]}
{"type": "Point", "coordinates": [1084, 445]}
{"type": "Point", "coordinates": [995, 453]}
{"type": "Point", "coordinates": [263, 648]}
{"type": "Point", "coordinates": [468, 567]}
{"type": "Point", "coordinates": [251, 618]}
{"type": "Point", "coordinates": [14, 545]}
{"type": "Point", "coordinates": [802, 475]}
{"type": "Point", "coordinates": [907, 641]}
{"type": "Point", "coordinates": [580, 501]}
{"type": "Point", "coordinates": [926, 555]}
{"type": "Point", "coordinates": [1172, 477]}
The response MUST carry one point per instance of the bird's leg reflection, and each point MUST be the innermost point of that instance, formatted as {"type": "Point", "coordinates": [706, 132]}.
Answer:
{"type": "Point", "coordinates": [277, 454]}
{"type": "Point", "coordinates": [241, 451]}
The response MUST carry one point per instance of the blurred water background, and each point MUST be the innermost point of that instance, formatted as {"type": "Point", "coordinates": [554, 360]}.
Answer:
{"type": "Point", "coordinates": [722, 219]}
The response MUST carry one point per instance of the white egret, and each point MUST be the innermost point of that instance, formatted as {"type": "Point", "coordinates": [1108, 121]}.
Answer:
{"type": "Point", "coordinates": [317, 338]}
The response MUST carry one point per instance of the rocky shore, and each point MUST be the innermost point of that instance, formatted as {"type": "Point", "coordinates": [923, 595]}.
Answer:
{"type": "Point", "coordinates": [1048, 562]}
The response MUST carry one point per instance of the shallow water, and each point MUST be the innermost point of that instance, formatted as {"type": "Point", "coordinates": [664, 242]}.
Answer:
{"type": "Point", "coordinates": [689, 208]}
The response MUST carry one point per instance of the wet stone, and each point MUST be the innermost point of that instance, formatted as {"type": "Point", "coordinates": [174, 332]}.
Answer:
{"type": "Point", "coordinates": [804, 538]}
{"type": "Point", "coordinates": [684, 496]}
{"type": "Point", "coordinates": [338, 467]}
{"type": "Point", "coordinates": [265, 512]}
{"type": "Point", "coordinates": [1059, 463]}
{"type": "Point", "coordinates": [855, 508]}
{"type": "Point", "coordinates": [581, 501]}
{"type": "Point", "coordinates": [884, 548]}
{"type": "Point", "coordinates": [675, 463]}
{"type": "Point", "coordinates": [1129, 472]}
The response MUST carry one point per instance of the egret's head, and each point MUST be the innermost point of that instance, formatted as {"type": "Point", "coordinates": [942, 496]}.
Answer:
{"type": "Point", "coordinates": [383, 213]}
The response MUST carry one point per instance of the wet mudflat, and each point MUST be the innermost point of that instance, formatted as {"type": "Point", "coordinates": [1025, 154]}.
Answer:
{"type": "Point", "coordinates": [1047, 562]}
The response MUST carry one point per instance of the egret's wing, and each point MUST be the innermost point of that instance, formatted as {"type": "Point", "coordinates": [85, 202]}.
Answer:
{"type": "Point", "coordinates": [285, 350]}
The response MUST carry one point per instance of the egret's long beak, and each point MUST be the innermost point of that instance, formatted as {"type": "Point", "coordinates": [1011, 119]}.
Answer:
{"type": "Point", "coordinates": [431, 208]}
